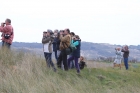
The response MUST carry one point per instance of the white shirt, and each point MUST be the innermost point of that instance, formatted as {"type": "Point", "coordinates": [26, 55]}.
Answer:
{"type": "Point", "coordinates": [46, 47]}
{"type": "Point", "coordinates": [118, 54]}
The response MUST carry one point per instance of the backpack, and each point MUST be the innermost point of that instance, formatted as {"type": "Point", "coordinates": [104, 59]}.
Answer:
{"type": "Point", "coordinates": [70, 48]}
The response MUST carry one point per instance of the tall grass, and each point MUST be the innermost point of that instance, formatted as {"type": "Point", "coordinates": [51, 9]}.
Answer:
{"type": "Point", "coordinates": [27, 73]}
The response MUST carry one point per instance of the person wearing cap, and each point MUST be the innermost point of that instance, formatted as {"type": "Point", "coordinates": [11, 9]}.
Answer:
{"type": "Point", "coordinates": [7, 33]}
{"type": "Point", "coordinates": [65, 43]}
{"type": "Point", "coordinates": [47, 48]}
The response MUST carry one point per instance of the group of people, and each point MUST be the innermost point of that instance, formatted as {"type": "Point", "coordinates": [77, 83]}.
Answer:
{"type": "Point", "coordinates": [118, 57]}
{"type": "Point", "coordinates": [58, 42]}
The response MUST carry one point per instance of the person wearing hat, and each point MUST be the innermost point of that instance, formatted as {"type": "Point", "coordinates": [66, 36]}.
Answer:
{"type": "Point", "coordinates": [47, 47]}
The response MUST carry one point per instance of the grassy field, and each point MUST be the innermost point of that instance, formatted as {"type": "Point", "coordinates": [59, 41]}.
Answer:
{"type": "Point", "coordinates": [27, 73]}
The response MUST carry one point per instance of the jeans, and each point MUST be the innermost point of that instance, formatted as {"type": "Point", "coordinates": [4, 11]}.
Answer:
{"type": "Point", "coordinates": [62, 58]}
{"type": "Point", "coordinates": [48, 57]}
{"type": "Point", "coordinates": [5, 44]}
{"type": "Point", "coordinates": [76, 63]}
{"type": "Point", "coordinates": [126, 63]}
{"type": "Point", "coordinates": [58, 53]}
{"type": "Point", "coordinates": [71, 63]}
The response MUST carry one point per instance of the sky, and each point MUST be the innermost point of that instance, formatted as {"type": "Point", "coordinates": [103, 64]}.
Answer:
{"type": "Point", "coordinates": [97, 21]}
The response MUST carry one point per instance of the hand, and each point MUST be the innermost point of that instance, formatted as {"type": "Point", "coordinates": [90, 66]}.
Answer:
{"type": "Point", "coordinates": [44, 34]}
{"type": "Point", "coordinates": [2, 24]}
{"type": "Point", "coordinates": [49, 41]}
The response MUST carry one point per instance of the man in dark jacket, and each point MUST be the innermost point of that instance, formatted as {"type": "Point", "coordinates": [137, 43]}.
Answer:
{"type": "Point", "coordinates": [55, 44]}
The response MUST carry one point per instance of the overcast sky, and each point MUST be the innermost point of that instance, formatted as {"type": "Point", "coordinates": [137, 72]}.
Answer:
{"type": "Point", "coordinates": [97, 21]}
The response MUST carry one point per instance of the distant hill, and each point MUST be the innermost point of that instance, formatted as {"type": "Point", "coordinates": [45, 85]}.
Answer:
{"type": "Point", "coordinates": [89, 50]}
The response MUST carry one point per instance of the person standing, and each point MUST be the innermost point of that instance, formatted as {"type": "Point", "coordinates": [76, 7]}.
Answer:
{"type": "Point", "coordinates": [76, 53]}
{"type": "Point", "coordinates": [7, 33]}
{"type": "Point", "coordinates": [118, 57]}
{"type": "Point", "coordinates": [125, 56]}
{"type": "Point", "coordinates": [55, 45]}
{"type": "Point", "coordinates": [47, 48]}
{"type": "Point", "coordinates": [65, 42]}
{"type": "Point", "coordinates": [72, 62]}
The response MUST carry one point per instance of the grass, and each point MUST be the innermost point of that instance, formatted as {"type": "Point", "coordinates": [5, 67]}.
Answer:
{"type": "Point", "coordinates": [27, 73]}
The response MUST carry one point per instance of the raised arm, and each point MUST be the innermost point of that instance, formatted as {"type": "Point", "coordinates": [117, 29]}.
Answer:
{"type": "Point", "coordinates": [124, 50]}
{"type": "Point", "coordinates": [76, 43]}
{"type": "Point", "coordinates": [5, 29]}
{"type": "Point", "coordinates": [65, 38]}
{"type": "Point", "coordinates": [45, 40]}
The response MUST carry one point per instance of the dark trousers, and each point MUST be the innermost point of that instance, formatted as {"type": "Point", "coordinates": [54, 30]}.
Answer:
{"type": "Point", "coordinates": [5, 44]}
{"type": "Point", "coordinates": [76, 63]}
{"type": "Point", "coordinates": [62, 58]}
{"type": "Point", "coordinates": [55, 53]}
{"type": "Point", "coordinates": [48, 57]}
{"type": "Point", "coordinates": [126, 63]}
{"type": "Point", "coordinates": [72, 65]}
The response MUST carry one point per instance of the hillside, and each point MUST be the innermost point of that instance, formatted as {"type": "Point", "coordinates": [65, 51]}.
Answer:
{"type": "Point", "coordinates": [27, 73]}
{"type": "Point", "coordinates": [91, 51]}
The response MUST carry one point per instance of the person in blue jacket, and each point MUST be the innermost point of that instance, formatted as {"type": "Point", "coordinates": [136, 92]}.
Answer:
{"type": "Point", "coordinates": [72, 62]}
{"type": "Point", "coordinates": [76, 53]}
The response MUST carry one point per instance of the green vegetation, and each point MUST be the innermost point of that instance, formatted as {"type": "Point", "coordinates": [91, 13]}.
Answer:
{"type": "Point", "coordinates": [27, 73]}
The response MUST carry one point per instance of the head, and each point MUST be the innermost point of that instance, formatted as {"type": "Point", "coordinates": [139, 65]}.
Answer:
{"type": "Point", "coordinates": [77, 37]}
{"type": "Point", "coordinates": [61, 32]}
{"type": "Point", "coordinates": [66, 31]}
{"type": "Point", "coordinates": [49, 32]}
{"type": "Point", "coordinates": [126, 47]}
{"type": "Point", "coordinates": [45, 33]}
{"type": "Point", "coordinates": [72, 34]}
{"type": "Point", "coordinates": [8, 21]}
{"type": "Point", "coordinates": [118, 49]}
{"type": "Point", "coordinates": [55, 34]}
{"type": "Point", "coordinates": [81, 58]}
{"type": "Point", "coordinates": [55, 31]}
